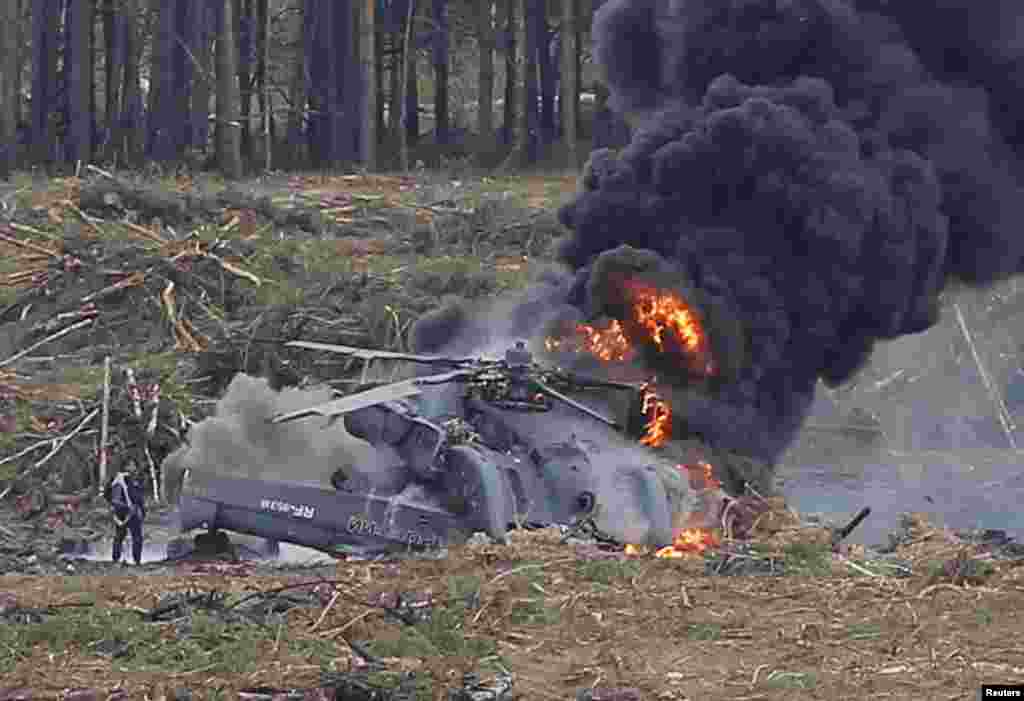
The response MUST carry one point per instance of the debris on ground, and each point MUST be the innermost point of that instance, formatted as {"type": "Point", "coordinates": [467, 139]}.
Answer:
{"type": "Point", "coordinates": [610, 694]}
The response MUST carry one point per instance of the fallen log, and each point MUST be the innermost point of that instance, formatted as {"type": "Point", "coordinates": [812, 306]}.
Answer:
{"type": "Point", "coordinates": [300, 217]}
{"type": "Point", "coordinates": [114, 195]}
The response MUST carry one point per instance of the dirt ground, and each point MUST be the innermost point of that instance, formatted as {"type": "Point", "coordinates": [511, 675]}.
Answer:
{"type": "Point", "coordinates": [560, 619]}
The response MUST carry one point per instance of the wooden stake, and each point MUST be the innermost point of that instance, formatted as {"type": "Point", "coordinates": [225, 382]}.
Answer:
{"type": "Point", "coordinates": [152, 472]}
{"type": "Point", "coordinates": [105, 423]}
{"type": "Point", "coordinates": [133, 390]}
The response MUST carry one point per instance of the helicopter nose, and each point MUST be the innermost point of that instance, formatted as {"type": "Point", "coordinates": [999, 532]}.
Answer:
{"type": "Point", "coordinates": [638, 509]}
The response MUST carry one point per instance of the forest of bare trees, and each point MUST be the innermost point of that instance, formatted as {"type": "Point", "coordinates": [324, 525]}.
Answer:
{"type": "Point", "coordinates": [247, 86]}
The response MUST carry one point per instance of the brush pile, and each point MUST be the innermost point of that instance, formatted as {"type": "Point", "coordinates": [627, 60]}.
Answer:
{"type": "Point", "coordinates": [54, 435]}
{"type": "Point", "coordinates": [187, 287]}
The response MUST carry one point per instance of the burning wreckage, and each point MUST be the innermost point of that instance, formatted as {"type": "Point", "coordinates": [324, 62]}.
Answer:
{"type": "Point", "coordinates": [806, 178]}
{"type": "Point", "coordinates": [483, 445]}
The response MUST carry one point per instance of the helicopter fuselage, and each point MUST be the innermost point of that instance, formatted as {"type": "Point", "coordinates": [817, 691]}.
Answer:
{"type": "Point", "coordinates": [473, 457]}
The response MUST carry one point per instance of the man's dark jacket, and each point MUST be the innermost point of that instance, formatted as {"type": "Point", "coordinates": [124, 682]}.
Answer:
{"type": "Point", "coordinates": [126, 505]}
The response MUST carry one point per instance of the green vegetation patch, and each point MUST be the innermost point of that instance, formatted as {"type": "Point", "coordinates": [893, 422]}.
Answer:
{"type": "Point", "coordinates": [531, 605]}
{"type": "Point", "coordinates": [807, 559]}
{"type": "Point", "coordinates": [608, 572]}
{"type": "Point", "coordinates": [202, 642]}
{"type": "Point", "coordinates": [790, 680]}
{"type": "Point", "coordinates": [863, 631]}
{"type": "Point", "coordinates": [704, 631]}
{"type": "Point", "coordinates": [442, 632]}
{"type": "Point", "coordinates": [22, 414]}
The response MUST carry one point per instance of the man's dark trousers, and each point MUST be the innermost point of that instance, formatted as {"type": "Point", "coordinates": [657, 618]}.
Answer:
{"type": "Point", "coordinates": [134, 524]}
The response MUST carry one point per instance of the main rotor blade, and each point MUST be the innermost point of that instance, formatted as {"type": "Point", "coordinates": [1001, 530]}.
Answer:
{"type": "Point", "coordinates": [371, 397]}
{"type": "Point", "coordinates": [578, 406]}
{"type": "Point", "coordinates": [345, 405]}
{"type": "Point", "coordinates": [585, 381]}
{"type": "Point", "coordinates": [369, 354]}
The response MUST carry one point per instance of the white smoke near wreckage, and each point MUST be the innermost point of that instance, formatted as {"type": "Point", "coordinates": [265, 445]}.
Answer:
{"type": "Point", "coordinates": [238, 441]}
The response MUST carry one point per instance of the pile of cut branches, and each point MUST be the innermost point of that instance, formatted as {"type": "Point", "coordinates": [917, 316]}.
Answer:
{"type": "Point", "coordinates": [74, 442]}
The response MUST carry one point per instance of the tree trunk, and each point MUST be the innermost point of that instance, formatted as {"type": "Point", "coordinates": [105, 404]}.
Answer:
{"type": "Point", "coordinates": [92, 79]}
{"type": "Point", "coordinates": [9, 63]}
{"type": "Point", "coordinates": [244, 21]}
{"type": "Point", "coordinates": [440, 56]}
{"type": "Point", "coordinates": [181, 80]}
{"type": "Point", "coordinates": [582, 34]}
{"type": "Point", "coordinates": [368, 60]}
{"type": "Point", "coordinates": [317, 33]}
{"type": "Point", "coordinates": [45, 15]}
{"type": "Point", "coordinates": [378, 83]}
{"type": "Point", "coordinates": [22, 34]}
{"type": "Point", "coordinates": [508, 129]}
{"type": "Point", "coordinates": [168, 84]}
{"type": "Point", "coordinates": [485, 75]}
{"type": "Point", "coordinates": [548, 76]}
{"type": "Point", "coordinates": [229, 152]}
{"type": "Point", "coordinates": [200, 21]}
{"type": "Point", "coordinates": [408, 80]}
{"type": "Point", "coordinates": [115, 34]}
{"type": "Point", "coordinates": [395, 88]}
{"type": "Point", "coordinates": [300, 81]}
{"type": "Point", "coordinates": [80, 64]}
{"type": "Point", "coordinates": [339, 53]}
{"type": "Point", "coordinates": [266, 104]}
{"type": "Point", "coordinates": [131, 128]}
{"type": "Point", "coordinates": [329, 87]}
{"type": "Point", "coordinates": [412, 96]}
{"type": "Point", "coordinates": [530, 121]}
{"type": "Point", "coordinates": [352, 90]}
{"type": "Point", "coordinates": [570, 82]}
{"type": "Point", "coordinates": [113, 72]}
{"type": "Point", "coordinates": [157, 70]}
{"type": "Point", "coordinates": [521, 154]}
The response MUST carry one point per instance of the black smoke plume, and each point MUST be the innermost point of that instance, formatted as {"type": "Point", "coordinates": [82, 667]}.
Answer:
{"type": "Point", "coordinates": [809, 166]}
{"type": "Point", "coordinates": [816, 171]}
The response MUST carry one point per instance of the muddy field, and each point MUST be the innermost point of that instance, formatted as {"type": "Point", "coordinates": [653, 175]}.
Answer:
{"type": "Point", "coordinates": [187, 282]}
{"type": "Point", "coordinates": [552, 620]}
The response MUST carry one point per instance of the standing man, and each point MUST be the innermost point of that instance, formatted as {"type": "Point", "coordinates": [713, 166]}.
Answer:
{"type": "Point", "coordinates": [127, 498]}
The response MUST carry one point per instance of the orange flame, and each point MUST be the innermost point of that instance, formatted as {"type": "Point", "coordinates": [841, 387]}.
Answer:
{"type": "Point", "coordinates": [666, 314]}
{"type": "Point", "coordinates": [701, 475]}
{"type": "Point", "coordinates": [662, 318]}
{"type": "Point", "coordinates": [658, 428]}
{"type": "Point", "coordinates": [690, 541]}
{"type": "Point", "coordinates": [608, 343]}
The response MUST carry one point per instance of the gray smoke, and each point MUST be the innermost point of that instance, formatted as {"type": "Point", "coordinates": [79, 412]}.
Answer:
{"type": "Point", "coordinates": [238, 441]}
{"type": "Point", "coordinates": [489, 327]}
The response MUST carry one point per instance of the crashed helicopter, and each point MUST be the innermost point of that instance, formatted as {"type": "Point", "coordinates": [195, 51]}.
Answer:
{"type": "Point", "coordinates": [484, 444]}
